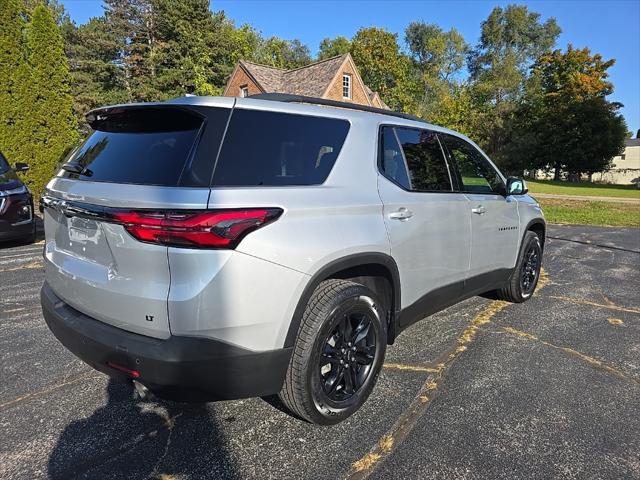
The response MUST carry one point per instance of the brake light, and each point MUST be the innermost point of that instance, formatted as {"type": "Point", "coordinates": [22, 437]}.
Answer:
{"type": "Point", "coordinates": [209, 229]}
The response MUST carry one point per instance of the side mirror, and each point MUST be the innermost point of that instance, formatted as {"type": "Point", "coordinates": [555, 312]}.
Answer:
{"type": "Point", "coordinates": [21, 167]}
{"type": "Point", "coordinates": [516, 186]}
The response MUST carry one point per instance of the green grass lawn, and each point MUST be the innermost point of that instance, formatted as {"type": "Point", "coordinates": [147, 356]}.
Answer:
{"type": "Point", "coordinates": [583, 188]}
{"type": "Point", "coordinates": [581, 212]}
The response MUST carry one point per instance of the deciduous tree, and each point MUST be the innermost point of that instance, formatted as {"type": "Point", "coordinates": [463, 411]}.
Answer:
{"type": "Point", "coordinates": [438, 54]}
{"type": "Point", "coordinates": [332, 47]}
{"type": "Point", "coordinates": [512, 38]}
{"type": "Point", "coordinates": [574, 128]}
{"type": "Point", "coordinates": [384, 68]}
{"type": "Point", "coordinates": [281, 53]}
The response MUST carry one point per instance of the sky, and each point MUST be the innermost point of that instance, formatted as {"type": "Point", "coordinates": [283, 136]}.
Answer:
{"type": "Point", "coordinates": [611, 28]}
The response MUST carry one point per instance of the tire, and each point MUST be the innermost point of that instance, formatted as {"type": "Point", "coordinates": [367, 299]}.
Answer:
{"type": "Point", "coordinates": [327, 393]}
{"type": "Point", "coordinates": [524, 279]}
{"type": "Point", "coordinates": [32, 237]}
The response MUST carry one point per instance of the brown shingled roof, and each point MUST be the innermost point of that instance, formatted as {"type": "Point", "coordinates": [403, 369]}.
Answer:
{"type": "Point", "coordinates": [269, 78]}
{"type": "Point", "coordinates": [312, 80]}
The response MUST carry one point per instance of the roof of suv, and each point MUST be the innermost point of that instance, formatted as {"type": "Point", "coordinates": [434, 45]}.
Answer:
{"type": "Point", "coordinates": [300, 105]}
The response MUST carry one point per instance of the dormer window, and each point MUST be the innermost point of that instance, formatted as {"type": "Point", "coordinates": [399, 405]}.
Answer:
{"type": "Point", "coordinates": [244, 91]}
{"type": "Point", "coordinates": [346, 86]}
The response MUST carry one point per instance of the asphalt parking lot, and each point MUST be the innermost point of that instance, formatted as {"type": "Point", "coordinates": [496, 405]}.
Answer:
{"type": "Point", "coordinates": [549, 388]}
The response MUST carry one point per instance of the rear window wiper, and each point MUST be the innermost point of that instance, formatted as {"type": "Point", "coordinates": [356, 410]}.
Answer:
{"type": "Point", "coordinates": [78, 169]}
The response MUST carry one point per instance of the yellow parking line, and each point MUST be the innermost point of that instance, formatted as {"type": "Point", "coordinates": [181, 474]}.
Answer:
{"type": "Point", "coordinates": [48, 389]}
{"type": "Point", "coordinates": [363, 467]}
{"type": "Point", "coordinates": [407, 420]}
{"type": "Point", "coordinates": [35, 264]}
{"type": "Point", "coordinates": [411, 368]}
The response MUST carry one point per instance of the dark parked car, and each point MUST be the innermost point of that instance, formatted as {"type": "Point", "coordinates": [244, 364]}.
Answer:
{"type": "Point", "coordinates": [17, 220]}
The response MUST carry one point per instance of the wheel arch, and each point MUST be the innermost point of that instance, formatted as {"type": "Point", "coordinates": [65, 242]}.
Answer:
{"type": "Point", "coordinates": [377, 271]}
{"type": "Point", "coordinates": [539, 227]}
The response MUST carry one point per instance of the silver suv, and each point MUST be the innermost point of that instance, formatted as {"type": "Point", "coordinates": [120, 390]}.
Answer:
{"type": "Point", "coordinates": [219, 248]}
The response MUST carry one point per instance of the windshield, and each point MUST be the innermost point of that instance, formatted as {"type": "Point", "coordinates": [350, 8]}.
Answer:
{"type": "Point", "coordinates": [4, 165]}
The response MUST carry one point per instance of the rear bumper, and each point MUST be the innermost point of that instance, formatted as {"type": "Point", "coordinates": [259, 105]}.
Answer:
{"type": "Point", "coordinates": [179, 368]}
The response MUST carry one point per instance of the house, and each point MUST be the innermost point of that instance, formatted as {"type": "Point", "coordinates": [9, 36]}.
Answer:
{"type": "Point", "coordinates": [336, 78]}
{"type": "Point", "coordinates": [625, 168]}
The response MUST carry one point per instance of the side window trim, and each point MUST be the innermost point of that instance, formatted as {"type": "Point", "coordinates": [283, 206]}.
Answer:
{"type": "Point", "coordinates": [404, 158]}
{"type": "Point", "coordinates": [451, 162]}
{"type": "Point", "coordinates": [380, 159]}
{"type": "Point", "coordinates": [454, 186]}
{"type": "Point", "coordinates": [381, 127]}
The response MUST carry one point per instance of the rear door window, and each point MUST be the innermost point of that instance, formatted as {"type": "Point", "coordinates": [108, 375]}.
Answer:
{"type": "Point", "coordinates": [425, 160]}
{"type": "Point", "coordinates": [414, 159]}
{"type": "Point", "coordinates": [274, 148]}
{"type": "Point", "coordinates": [149, 146]}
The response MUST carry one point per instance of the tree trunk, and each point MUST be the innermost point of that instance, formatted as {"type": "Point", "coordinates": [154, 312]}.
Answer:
{"type": "Point", "coordinates": [556, 175]}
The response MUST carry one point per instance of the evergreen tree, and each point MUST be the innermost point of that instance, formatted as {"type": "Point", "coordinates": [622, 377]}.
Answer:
{"type": "Point", "coordinates": [50, 124]}
{"type": "Point", "coordinates": [188, 47]}
{"type": "Point", "coordinates": [96, 80]}
{"type": "Point", "coordinates": [12, 64]}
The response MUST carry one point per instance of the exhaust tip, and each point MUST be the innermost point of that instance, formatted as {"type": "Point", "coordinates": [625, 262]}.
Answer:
{"type": "Point", "coordinates": [142, 392]}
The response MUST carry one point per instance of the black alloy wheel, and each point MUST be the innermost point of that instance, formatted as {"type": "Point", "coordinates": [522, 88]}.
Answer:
{"type": "Point", "coordinates": [348, 355]}
{"type": "Point", "coordinates": [338, 353]}
{"type": "Point", "coordinates": [524, 278]}
{"type": "Point", "coordinates": [530, 269]}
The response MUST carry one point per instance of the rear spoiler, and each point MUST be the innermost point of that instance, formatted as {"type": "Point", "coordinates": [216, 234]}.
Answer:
{"type": "Point", "coordinates": [144, 117]}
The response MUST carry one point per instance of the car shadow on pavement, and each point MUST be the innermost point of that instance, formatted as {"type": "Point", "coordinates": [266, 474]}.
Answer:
{"type": "Point", "coordinates": [130, 438]}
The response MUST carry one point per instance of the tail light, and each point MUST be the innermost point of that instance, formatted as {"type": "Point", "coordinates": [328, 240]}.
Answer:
{"type": "Point", "coordinates": [210, 229]}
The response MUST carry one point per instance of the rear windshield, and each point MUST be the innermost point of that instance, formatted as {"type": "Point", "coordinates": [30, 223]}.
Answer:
{"type": "Point", "coordinates": [271, 148]}
{"type": "Point", "coordinates": [141, 146]}
{"type": "Point", "coordinates": [157, 146]}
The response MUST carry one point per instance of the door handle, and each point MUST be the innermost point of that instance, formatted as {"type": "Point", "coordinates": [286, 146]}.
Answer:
{"type": "Point", "coordinates": [401, 214]}
{"type": "Point", "coordinates": [479, 210]}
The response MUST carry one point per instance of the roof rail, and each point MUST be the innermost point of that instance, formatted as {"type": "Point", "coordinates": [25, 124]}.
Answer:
{"type": "Point", "coordinates": [289, 98]}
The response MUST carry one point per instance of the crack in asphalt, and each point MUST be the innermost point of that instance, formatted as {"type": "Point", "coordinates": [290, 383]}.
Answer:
{"type": "Point", "coordinates": [594, 362]}
{"type": "Point", "coordinates": [97, 460]}
{"type": "Point", "coordinates": [610, 305]}
{"type": "Point", "coordinates": [597, 245]}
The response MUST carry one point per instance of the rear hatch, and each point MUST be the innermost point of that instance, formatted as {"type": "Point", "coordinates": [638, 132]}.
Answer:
{"type": "Point", "coordinates": [139, 160]}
